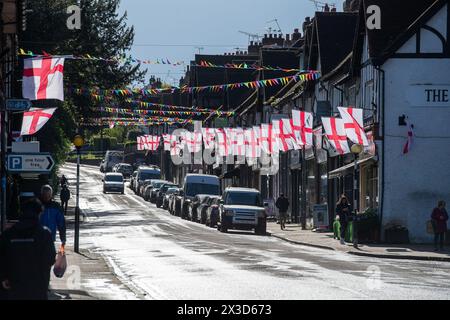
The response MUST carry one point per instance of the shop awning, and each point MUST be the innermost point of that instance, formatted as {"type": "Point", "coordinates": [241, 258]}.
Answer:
{"type": "Point", "coordinates": [342, 171]}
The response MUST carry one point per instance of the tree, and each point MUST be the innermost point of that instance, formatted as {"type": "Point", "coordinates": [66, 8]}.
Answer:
{"type": "Point", "coordinates": [103, 33]}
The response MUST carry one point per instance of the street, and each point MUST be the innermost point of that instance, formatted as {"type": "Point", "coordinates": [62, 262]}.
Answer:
{"type": "Point", "coordinates": [164, 257]}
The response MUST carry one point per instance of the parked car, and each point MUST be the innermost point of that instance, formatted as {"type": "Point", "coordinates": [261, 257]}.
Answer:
{"type": "Point", "coordinates": [113, 182]}
{"type": "Point", "coordinates": [124, 168]}
{"type": "Point", "coordinates": [193, 213]}
{"type": "Point", "coordinates": [212, 211]}
{"type": "Point", "coordinates": [195, 184]}
{"type": "Point", "coordinates": [148, 188]}
{"type": "Point", "coordinates": [146, 173]}
{"type": "Point", "coordinates": [242, 208]}
{"type": "Point", "coordinates": [143, 190]}
{"type": "Point", "coordinates": [153, 193]}
{"type": "Point", "coordinates": [167, 196]}
{"type": "Point", "coordinates": [162, 192]}
{"type": "Point", "coordinates": [112, 157]}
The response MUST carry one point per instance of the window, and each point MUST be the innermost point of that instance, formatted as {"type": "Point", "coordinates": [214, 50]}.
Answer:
{"type": "Point", "coordinates": [244, 198]}
{"type": "Point", "coordinates": [114, 178]}
{"type": "Point", "coordinates": [368, 99]}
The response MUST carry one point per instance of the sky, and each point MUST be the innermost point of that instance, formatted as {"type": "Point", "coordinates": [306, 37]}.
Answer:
{"type": "Point", "coordinates": [178, 29]}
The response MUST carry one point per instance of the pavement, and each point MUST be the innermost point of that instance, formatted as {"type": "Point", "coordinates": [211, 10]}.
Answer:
{"type": "Point", "coordinates": [88, 275]}
{"type": "Point", "coordinates": [293, 233]}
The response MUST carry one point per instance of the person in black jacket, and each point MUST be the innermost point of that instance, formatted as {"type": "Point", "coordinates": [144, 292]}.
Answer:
{"type": "Point", "coordinates": [27, 254]}
{"type": "Point", "coordinates": [283, 205]}
{"type": "Point", "coordinates": [343, 210]}
{"type": "Point", "coordinates": [65, 196]}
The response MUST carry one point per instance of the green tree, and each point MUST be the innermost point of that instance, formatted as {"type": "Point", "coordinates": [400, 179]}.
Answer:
{"type": "Point", "coordinates": [103, 33]}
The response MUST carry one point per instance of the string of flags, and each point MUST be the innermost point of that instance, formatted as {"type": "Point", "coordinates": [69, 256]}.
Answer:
{"type": "Point", "coordinates": [162, 112]}
{"type": "Point", "coordinates": [160, 61]}
{"type": "Point", "coordinates": [214, 88]}
{"type": "Point", "coordinates": [245, 66]}
{"type": "Point", "coordinates": [281, 135]}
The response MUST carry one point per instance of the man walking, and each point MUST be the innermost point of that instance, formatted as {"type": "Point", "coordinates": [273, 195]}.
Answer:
{"type": "Point", "coordinates": [27, 253]}
{"type": "Point", "coordinates": [52, 217]}
{"type": "Point", "coordinates": [283, 205]}
{"type": "Point", "coordinates": [65, 196]}
{"type": "Point", "coordinates": [439, 218]}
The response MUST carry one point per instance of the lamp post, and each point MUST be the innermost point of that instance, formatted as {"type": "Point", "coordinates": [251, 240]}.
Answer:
{"type": "Point", "coordinates": [356, 150]}
{"type": "Point", "coordinates": [78, 142]}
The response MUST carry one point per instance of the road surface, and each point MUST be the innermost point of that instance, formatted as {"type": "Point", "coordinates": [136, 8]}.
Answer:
{"type": "Point", "coordinates": [161, 256]}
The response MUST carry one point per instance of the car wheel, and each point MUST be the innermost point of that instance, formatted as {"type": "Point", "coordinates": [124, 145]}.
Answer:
{"type": "Point", "coordinates": [223, 228]}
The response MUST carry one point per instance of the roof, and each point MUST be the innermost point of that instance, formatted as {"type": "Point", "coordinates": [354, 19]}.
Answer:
{"type": "Point", "coordinates": [335, 37]}
{"type": "Point", "coordinates": [400, 20]}
{"type": "Point", "coordinates": [236, 189]}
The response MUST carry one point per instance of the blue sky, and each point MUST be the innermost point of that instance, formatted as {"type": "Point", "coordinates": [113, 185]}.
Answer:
{"type": "Point", "coordinates": [174, 28]}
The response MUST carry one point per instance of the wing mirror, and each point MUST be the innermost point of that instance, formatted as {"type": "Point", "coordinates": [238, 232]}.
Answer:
{"type": "Point", "coordinates": [221, 201]}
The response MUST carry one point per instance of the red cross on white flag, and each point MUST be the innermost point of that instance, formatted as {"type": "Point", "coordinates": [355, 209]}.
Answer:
{"type": "Point", "coordinates": [285, 135]}
{"type": "Point", "coordinates": [335, 133]}
{"type": "Point", "coordinates": [237, 141]}
{"type": "Point", "coordinates": [35, 119]}
{"type": "Point", "coordinates": [252, 147]}
{"type": "Point", "coordinates": [302, 124]}
{"type": "Point", "coordinates": [140, 143]}
{"type": "Point", "coordinates": [43, 79]}
{"type": "Point", "coordinates": [353, 123]}
{"type": "Point", "coordinates": [222, 145]}
{"type": "Point", "coordinates": [268, 139]}
{"type": "Point", "coordinates": [209, 138]}
{"type": "Point", "coordinates": [194, 141]}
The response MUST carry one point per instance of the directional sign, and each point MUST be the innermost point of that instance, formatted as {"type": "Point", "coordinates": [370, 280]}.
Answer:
{"type": "Point", "coordinates": [32, 162]}
{"type": "Point", "coordinates": [18, 104]}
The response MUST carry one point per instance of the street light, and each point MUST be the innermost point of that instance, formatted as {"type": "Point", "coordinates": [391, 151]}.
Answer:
{"type": "Point", "coordinates": [356, 150]}
{"type": "Point", "coordinates": [78, 142]}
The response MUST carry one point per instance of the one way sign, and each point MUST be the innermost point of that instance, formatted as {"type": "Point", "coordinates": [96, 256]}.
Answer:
{"type": "Point", "coordinates": [30, 162]}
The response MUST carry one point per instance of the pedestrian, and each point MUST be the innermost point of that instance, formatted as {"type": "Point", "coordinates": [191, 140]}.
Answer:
{"type": "Point", "coordinates": [63, 180]}
{"type": "Point", "coordinates": [343, 211]}
{"type": "Point", "coordinates": [439, 219]}
{"type": "Point", "coordinates": [65, 196]}
{"type": "Point", "coordinates": [282, 204]}
{"type": "Point", "coordinates": [52, 217]}
{"type": "Point", "coordinates": [27, 253]}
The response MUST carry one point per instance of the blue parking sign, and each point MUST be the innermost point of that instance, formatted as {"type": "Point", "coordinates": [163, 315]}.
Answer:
{"type": "Point", "coordinates": [15, 163]}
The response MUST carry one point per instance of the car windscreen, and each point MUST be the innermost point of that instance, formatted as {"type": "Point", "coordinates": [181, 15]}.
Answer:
{"type": "Point", "coordinates": [244, 198]}
{"type": "Point", "coordinates": [171, 191]}
{"type": "Point", "coordinates": [115, 158]}
{"type": "Point", "coordinates": [193, 189]}
{"type": "Point", "coordinates": [149, 175]}
{"type": "Point", "coordinates": [157, 185]}
{"type": "Point", "coordinates": [114, 178]}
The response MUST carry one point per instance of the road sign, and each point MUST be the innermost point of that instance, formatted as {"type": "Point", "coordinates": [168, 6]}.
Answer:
{"type": "Point", "coordinates": [30, 162]}
{"type": "Point", "coordinates": [18, 104]}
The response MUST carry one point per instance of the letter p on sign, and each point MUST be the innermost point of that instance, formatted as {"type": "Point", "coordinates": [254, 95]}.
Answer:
{"type": "Point", "coordinates": [15, 163]}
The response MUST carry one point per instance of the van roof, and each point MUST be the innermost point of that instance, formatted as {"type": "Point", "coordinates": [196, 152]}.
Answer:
{"type": "Point", "coordinates": [236, 189]}
{"type": "Point", "coordinates": [113, 174]}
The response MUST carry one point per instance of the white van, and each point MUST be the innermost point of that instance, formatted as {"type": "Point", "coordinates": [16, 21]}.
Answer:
{"type": "Point", "coordinates": [195, 184]}
{"type": "Point", "coordinates": [112, 158]}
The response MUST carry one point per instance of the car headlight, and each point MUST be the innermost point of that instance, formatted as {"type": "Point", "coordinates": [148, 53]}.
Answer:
{"type": "Point", "coordinates": [229, 213]}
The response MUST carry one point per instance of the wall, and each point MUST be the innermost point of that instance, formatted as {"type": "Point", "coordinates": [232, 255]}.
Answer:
{"type": "Point", "coordinates": [416, 181]}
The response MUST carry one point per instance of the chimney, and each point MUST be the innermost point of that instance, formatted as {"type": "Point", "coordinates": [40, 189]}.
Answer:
{"type": "Point", "coordinates": [306, 23]}
{"type": "Point", "coordinates": [326, 8]}
{"type": "Point", "coordinates": [296, 35]}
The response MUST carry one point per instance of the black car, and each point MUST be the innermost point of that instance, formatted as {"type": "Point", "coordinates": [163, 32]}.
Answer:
{"type": "Point", "coordinates": [162, 192]}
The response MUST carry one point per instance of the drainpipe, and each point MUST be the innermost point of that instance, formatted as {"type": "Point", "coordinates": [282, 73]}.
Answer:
{"type": "Point", "coordinates": [382, 120]}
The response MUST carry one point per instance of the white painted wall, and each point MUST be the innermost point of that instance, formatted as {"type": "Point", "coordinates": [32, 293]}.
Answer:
{"type": "Point", "coordinates": [416, 181]}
